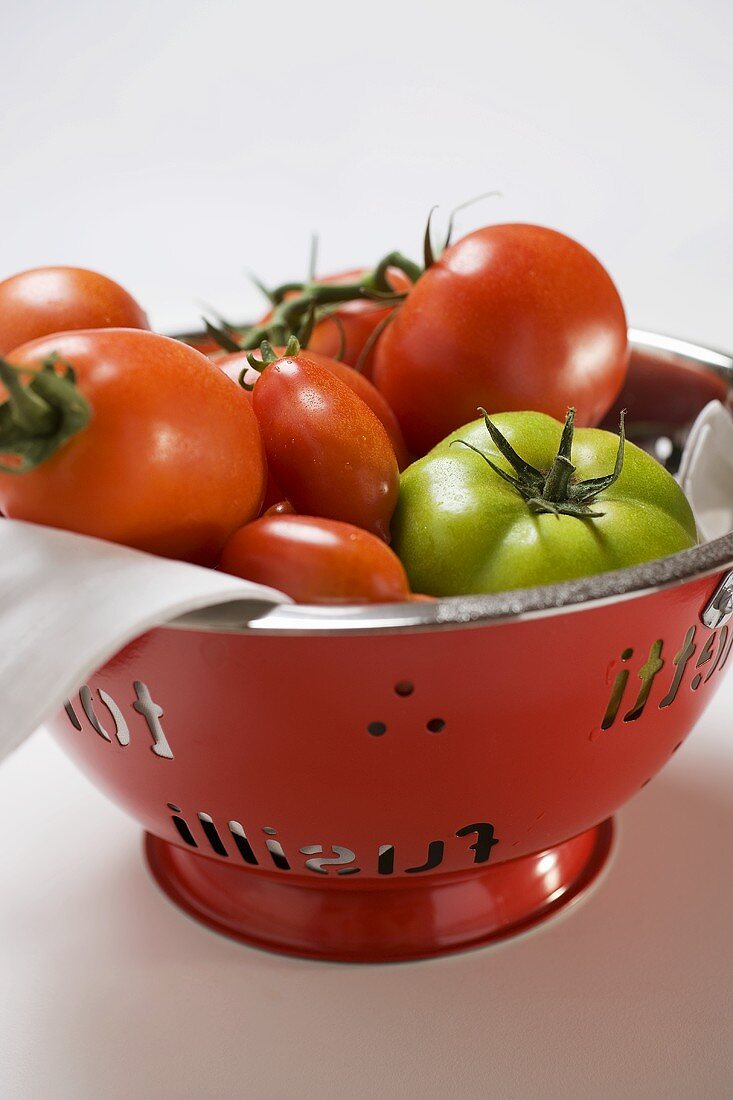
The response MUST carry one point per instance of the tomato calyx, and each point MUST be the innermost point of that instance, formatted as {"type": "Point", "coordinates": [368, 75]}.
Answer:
{"type": "Point", "coordinates": [554, 491]}
{"type": "Point", "coordinates": [269, 355]}
{"type": "Point", "coordinates": [38, 418]}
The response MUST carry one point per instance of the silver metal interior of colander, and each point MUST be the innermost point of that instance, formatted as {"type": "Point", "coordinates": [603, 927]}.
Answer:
{"type": "Point", "coordinates": [462, 611]}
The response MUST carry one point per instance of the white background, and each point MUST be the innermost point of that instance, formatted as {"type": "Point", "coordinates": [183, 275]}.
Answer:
{"type": "Point", "coordinates": [174, 145]}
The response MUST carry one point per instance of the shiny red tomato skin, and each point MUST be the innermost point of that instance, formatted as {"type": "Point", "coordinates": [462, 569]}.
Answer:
{"type": "Point", "coordinates": [171, 461]}
{"type": "Point", "coordinates": [45, 300]}
{"type": "Point", "coordinates": [233, 364]}
{"type": "Point", "coordinates": [316, 561]}
{"type": "Point", "coordinates": [325, 447]}
{"type": "Point", "coordinates": [511, 317]}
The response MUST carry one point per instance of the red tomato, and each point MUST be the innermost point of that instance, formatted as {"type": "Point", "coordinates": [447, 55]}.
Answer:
{"type": "Point", "coordinates": [57, 299]}
{"type": "Point", "coordinates": [325, 447]}
{"type": "Point", "coordinates": [233, 364]}
{"type": "Point", "coordinates": [171, 460]}
{"type": "Point", "coordinates": [316, 561]}
{"type": "Point", "coordinates": [511, 317]}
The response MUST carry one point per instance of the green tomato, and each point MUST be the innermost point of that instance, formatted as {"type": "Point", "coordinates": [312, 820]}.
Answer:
{"type": "Point", "coordinates": [461, 527]}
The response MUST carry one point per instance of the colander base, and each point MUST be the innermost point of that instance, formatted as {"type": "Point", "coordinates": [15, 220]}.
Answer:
{"type": "Point", "coordinates": [375, 922]}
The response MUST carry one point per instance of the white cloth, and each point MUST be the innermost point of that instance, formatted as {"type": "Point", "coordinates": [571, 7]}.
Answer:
{"type": "Point", "coordinates": [68, 603]}
{"type": "Point", "coordinates": [706, 471]}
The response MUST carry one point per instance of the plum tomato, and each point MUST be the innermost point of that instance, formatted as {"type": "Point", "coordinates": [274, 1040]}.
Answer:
{"type": "Point", "coordinates": [45, 300]}
{"type": "Point", "coordinates": [316, 561]}
{"type": "Point", "coordinates": [326, 449]}
{"type": "Point", "coordinates": [510, 317]}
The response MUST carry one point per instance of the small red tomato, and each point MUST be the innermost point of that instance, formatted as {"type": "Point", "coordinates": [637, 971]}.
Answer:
{"type": "Point", "coordinates": [171, 460]}
{"type": "Point", "coordinates": [316, 561]}
{"type": "Point", "coordinates": [233, 364]}
{"type": "Point", "coordinates": [325, 447]}
{"type": "Point", "coordinates": [511, 317]}
{"type": "Point", "coordinates": [58, 299]}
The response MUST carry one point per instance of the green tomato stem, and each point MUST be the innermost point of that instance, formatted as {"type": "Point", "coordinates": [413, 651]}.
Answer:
{"type": "Point", "coordinates": [311, 301]}
{"type": "Point", "coordinates": [38, 419]}
{"type": "Point", "coordinates": [557, 481]}
{"type": "Point", "coordinates": [555, 492]}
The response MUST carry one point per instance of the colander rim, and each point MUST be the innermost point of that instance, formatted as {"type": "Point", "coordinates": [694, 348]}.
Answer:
{"type": "Point", "coordinates": [512, 606]}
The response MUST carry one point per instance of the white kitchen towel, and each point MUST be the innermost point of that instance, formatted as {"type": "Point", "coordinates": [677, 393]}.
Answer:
{"type": "Point", "coordinates": [68, 603]}
{"type": "Point", "coordinates": [706, 471]}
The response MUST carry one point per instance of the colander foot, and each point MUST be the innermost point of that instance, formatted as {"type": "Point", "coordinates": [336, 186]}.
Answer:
{"type": "Point", "coordinates": [374, 922]}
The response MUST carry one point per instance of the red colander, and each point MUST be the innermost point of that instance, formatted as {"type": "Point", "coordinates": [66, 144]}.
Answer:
{"type": "Point", "coordinates": [397, 781]}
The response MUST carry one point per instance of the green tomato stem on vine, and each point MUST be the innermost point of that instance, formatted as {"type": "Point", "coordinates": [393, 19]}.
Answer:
{"type": "Point", "coordinates": [298, 314]}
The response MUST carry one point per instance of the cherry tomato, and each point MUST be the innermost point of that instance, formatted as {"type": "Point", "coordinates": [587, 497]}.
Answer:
{"type": "Point", "coordinates": [511, 317]}
{"type": "Point", "coordinates": [233, 364]}
{"type": "Point", "coordinates": [325, 447]}
{"type": "Point", "coordinates": [316, 560]}
{"type": "Point", "coordinates": [58, 299]}
{"type": "Point", "coordinates": [171, 460]}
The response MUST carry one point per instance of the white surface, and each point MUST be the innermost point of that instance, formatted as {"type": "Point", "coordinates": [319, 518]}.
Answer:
{"type": "Point", "coordinates": [109, 991]}
{"type": "Point", "coordinates": [175, 144]}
